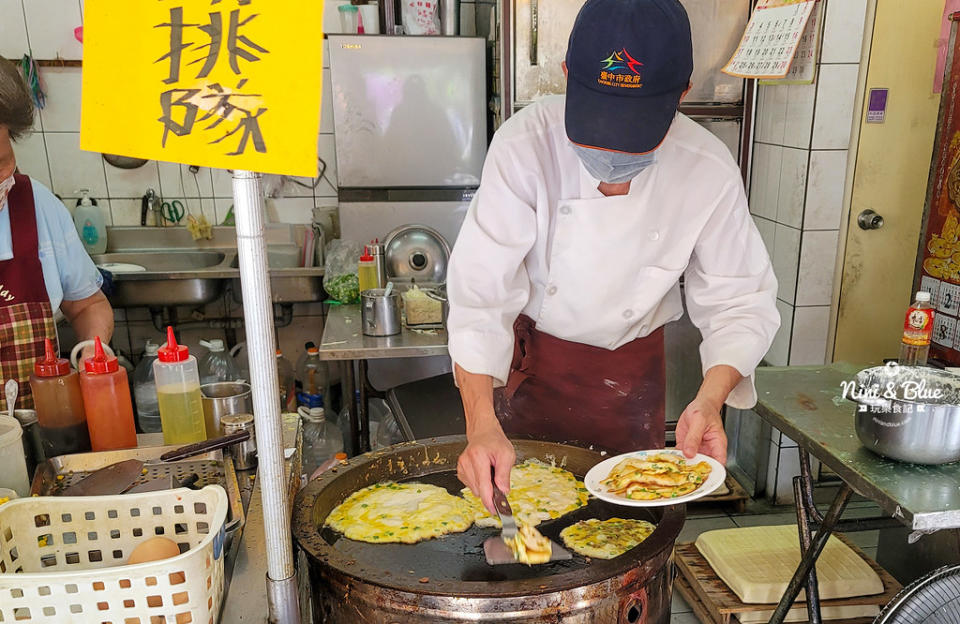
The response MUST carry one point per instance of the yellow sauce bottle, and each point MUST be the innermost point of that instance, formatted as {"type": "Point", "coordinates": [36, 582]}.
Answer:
{"type": "Point", "coordinates": [367, 271]}
{"type": "Point", "coordinates": [178, 394]}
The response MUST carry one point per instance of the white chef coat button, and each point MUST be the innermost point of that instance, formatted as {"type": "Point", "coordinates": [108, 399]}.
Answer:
{"type": "Point", "coordinates": [564, 209]}
{"type": "Point", "coordinates": [552, 290]}
{"type": "Point", "coordinates": [627, 314]}
{"type": "Point", "coordinates": [653, 235]}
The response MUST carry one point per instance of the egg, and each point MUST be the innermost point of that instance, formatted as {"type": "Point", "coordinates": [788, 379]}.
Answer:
{"type": "Point", "coordinates": [154, 549]}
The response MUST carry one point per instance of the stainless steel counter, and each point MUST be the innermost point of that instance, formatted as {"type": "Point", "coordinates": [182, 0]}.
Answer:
{"type": "Point", "coordinates": [343, 339]}
{"type": "Point", "coordinates": [245, 597]}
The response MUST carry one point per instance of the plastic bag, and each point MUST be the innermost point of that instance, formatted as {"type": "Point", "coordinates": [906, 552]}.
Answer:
{"type": "Point", "coordinates": [340, 270]}
{"type": "Point", "coordinates": [421, 17]}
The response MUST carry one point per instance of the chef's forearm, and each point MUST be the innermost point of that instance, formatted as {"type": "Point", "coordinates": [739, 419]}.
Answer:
{"type": "Point", "coordinates": [718, 382]}
{"type": "Point", "coordinates": [90, 317]}
{"type": "Point", "coordinates": [477, 394]}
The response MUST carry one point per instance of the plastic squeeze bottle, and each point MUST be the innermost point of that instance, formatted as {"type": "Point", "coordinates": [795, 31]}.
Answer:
{"type": "Point", "coordinates": [107, 403]}
{"type": "Point", "coordinates": [178, 394]}
{"type": "Point", "coordinates": [367, 271]}
{"type": "Point", "coordinates": [61, 419]}
{"type": "Point", "coordinates": [917, 331]}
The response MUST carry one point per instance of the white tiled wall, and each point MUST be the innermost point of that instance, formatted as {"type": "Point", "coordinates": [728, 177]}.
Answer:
{"type": "Point", "coordinates": [796, 197]}
{"type": "Point", "coordinates": [45, 29]}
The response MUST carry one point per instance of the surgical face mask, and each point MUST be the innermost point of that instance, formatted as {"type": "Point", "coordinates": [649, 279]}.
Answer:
{"type": "Point", "coordinates": [5, 186]}
{"type": "Point", "coordinates": [613, 167]}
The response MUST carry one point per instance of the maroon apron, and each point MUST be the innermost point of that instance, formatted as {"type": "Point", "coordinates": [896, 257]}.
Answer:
{"type": "Point", "coordinates": [566, 391]}
{"type": "Point", "coordinates": [26, 318]}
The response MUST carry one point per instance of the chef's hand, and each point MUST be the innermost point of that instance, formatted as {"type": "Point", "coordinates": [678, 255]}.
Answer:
{"type": "Point", "coordinates": [700, 430]}
{"type": "Point", "coordinates": [486, 446]}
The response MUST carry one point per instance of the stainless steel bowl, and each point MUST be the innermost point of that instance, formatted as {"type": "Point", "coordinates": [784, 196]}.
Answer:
{"type": "Point", "coordinates": [897, 416]}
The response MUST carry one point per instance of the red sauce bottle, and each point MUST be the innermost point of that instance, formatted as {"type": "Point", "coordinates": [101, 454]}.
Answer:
{"type": "Point", "coordinates": [60, 413]}
{"type": "Point", "coordinates": [106, 400]}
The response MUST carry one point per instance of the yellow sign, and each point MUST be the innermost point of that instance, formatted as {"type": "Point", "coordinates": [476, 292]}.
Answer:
{"type": "Point", "coordinates": [231, 84]}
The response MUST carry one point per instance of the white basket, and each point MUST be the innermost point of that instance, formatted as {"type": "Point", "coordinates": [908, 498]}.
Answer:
{"type": "Point", "coordinates": [62, 559]}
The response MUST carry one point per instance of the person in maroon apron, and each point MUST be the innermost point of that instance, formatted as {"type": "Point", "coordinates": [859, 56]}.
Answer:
{"type": "Point", "coordinates": [26, 311]}
{"type": "Point", "coordinates": [591, 208]}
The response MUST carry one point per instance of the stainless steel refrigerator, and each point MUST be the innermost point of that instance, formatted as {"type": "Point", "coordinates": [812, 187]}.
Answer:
{"type": "Point", "coordinates": [410, 122]}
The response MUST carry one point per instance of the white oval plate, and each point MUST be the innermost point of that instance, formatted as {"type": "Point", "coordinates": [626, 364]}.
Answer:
{"type": "Point", "coordinates": [595, 476]}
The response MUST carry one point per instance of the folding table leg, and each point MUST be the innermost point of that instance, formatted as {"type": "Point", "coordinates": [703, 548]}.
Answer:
{"type": "Point", "coordinates": [810, 555]}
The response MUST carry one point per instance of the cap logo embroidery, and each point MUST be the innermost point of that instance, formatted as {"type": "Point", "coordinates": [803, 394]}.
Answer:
{"type": "Point", "coordinates": [620, 70]}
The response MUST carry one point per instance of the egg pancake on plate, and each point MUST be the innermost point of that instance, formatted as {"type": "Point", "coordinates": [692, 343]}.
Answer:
{"type": "Point", "coordinates": [605, 539]}
{"type": "Point", "coordinates": [538, 492]}
{"type": "Point", "coordinates": [400, 512]}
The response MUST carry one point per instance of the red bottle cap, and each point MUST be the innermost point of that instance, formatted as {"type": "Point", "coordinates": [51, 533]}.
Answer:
{"type": "Point", "coordinates": [172, 352]}
{"type": "Point", "coordinates": [366, 257]}
{"type": "Point", "coordinates": [51, 365]}
{"type": "Point", "coordinates": [100, 363]}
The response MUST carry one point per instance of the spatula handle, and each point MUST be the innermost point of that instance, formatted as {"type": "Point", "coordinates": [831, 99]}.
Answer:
{"type": "Point", "coordinates": [205, 447]}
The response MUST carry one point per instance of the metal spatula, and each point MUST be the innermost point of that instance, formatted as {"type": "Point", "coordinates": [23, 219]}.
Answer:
{"type": "Point", "coordinates": [496, 549]}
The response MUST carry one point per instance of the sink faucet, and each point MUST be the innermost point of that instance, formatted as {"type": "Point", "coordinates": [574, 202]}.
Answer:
{"type": "Point", "coordinates": [150, 203]}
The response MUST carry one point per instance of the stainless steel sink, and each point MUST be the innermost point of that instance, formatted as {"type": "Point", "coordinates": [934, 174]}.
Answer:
{"type": "Point", "coordinates": [169, 260]}
{"type": "Point", "coordinates": [177, 271]}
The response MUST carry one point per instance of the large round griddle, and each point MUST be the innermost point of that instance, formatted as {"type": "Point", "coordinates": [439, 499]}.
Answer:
{"type": "Point", "coordinates": [455, 565]}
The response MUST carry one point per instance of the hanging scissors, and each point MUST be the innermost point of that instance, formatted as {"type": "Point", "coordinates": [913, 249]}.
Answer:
{"type": "Point", "coordinates": [172, 211]}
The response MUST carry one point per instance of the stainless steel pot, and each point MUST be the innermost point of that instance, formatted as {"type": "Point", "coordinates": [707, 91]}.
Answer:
{"type": "Point", "coordinates": [911, 414]}
{"type": "Point", "coordinates": [380, 313]}
{"type": "Point", "coordinates": [222, 399]}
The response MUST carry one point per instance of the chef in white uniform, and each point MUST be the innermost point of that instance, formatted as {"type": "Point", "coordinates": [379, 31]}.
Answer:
{"type": "Point", "coordinates": [591, 208]}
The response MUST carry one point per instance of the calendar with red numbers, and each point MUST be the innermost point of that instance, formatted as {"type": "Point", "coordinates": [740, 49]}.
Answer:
{"type": "Point", "coordinates": [770, 42]}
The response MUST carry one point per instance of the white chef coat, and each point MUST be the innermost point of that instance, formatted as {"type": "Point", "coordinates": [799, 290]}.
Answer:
{"type": "Point", "coordinates": [540, 239]}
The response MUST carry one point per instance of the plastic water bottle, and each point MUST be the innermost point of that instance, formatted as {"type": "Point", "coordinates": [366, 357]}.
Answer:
{"type": "Point", "coordinates": [286, 378]}
{"type": "Point", "coordinates": [217, 365]}
{"type": "Point", "coordinates": [322, 439]}
{"type": "Point", "coordinates": [917, 332]}
{"type": "Point", "coordinates": [145, 391]}
{"type": "Point", "coordinates": [388, 429]}
{"type": "Point", "coordinates": [311, 379]}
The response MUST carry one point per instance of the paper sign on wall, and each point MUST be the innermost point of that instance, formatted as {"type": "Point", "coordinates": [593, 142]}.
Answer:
{"type": "Point", "coordinates": [231, 84]}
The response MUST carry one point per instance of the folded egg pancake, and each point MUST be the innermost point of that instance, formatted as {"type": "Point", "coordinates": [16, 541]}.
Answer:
{"type": "Point", "coordinates": [605, 539]}
{"type": "Point", "coordinates": [659, 475]}
{"type": "Point", "coordinates": [400, 512]}
{"type": "Point", "coordinates": [529, 546]}
{"type": "Point", "coordinates": [538, 492]}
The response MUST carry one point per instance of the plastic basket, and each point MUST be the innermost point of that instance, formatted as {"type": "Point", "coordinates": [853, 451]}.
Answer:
{"type": "Point", "coordinates": [62, 559]}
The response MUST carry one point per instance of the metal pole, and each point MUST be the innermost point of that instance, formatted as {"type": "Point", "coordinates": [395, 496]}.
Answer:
{"type": "Point", "coordinates": [809, 558]}
{"type": "Point", "coordinates": [261, 347]}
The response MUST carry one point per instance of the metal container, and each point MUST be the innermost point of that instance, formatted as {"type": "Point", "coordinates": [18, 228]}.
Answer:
{"type": "Point", "coordinates": [379, 312]}
{"type": "Point", "coordinates": [450, 17]}
{"type": "Point", "coordinates": [447, 580]}
{"type": "Point", "coordinates": [379, 261]}
{"type": "Point", "coordinates": [244, 454]}
{"type": "Point", "coordinates": [222, 399]}
{"type": "Point", "coordinates": [898, 417]}
{"type": "Point", "coordinates": [32, 444]}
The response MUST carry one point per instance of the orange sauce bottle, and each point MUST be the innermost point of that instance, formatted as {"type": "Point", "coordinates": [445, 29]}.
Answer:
{"type": "Point", "coordinates": [106, 400]}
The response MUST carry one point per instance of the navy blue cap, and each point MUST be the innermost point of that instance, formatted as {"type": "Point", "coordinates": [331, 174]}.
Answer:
{"type": "Point", "coordinates": [628, 64]}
